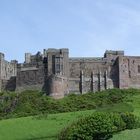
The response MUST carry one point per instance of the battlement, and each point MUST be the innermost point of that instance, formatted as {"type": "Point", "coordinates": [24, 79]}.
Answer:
{"type": "Point", "coordinates": [109, 53]}
{"type": "Point", "coordinates": [54, 51]}
{"type": "Point", "coordinates": [57, 50]}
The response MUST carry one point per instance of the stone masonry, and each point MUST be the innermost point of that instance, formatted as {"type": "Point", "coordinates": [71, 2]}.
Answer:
{"type": "Point", "coordinates": [57, 74]}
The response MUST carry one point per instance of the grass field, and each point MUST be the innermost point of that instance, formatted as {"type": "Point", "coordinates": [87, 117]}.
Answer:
{"type": "Point", "coordinates": [37, 128]}
{"type": "Point", "coordinates": [128, 135]}
{"type": "Point", "coordinates": [135, 133]}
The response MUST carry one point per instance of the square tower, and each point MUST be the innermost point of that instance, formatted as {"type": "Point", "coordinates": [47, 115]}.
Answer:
{"type": "Point", "coordinates": [57, 62]}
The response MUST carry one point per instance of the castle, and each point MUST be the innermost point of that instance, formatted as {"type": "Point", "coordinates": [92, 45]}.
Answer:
{"type": "Point", "coordinates": [57, 74]}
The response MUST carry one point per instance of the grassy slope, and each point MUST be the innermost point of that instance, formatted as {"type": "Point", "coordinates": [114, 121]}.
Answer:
{"type": "Point", "coordinates": [128, 135]}
{"type": "Point", "coordinates": [30, 128]}
{"type": "Point", "coordinates": [135, 133]}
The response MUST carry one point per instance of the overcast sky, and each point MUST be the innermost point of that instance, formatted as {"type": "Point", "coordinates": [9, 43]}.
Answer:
{"type": "Point", "coordinates": [86, 27]}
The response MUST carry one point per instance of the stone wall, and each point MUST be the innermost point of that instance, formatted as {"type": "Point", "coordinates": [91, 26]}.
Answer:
{"type": "Point", "coordinates": [87, 65]}
{"type": "Point", "coordinates": [8, 70]}
{"type": "Point", "coordinates": [31, 77]}
{"type": "Point", "coordinates": [9, 85]}
{"type": "Point", "coordinates": [74, 85]}
{"type": "Point", "coordinates": [88, 74]}
{"type": "Point", "coordinates": [129, 72]}
{"type": "Point", "coordinates": [57, 61]}
{"type": "Point", "coordinates": [57, 86]}
{"type": "Point", "coordinates": [58, 75]}
{"type": "Point", "coordinates": [134, 72]}
{"type": "Point", "coordinates": [123, 72]}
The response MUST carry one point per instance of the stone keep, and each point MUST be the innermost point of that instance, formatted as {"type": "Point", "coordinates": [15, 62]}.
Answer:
{"type": "Point", "coordinates": [57, 74]}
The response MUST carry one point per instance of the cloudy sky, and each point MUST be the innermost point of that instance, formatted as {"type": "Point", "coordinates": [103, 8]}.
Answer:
{"type": "Point", "coordinates": [86, 27]}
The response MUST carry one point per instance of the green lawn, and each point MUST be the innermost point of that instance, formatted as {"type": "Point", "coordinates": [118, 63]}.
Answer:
{"type": "Point", "coordinates": [135, 133]}
{"type": "Point", "coordinates": [36, 128]}
{"type": "Point", "coordinates": [128, 135]}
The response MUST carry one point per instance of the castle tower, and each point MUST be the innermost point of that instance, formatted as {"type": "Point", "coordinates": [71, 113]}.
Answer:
{"type": "Point", "coordinates": [56, 71]}
{"type": "Point", "coordinates": [57, 61]}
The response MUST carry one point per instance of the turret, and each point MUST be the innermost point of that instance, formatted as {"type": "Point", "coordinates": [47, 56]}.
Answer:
{"type": "Point", "coordinates": [27, 57]}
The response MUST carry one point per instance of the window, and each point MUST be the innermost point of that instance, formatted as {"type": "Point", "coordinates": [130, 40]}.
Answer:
{"type": "Point", "coordinates": [138, 68]}
{"type": "Point", "coordinates": [57, 67]}
{"type": "Point", "coordinates": [57, 59]}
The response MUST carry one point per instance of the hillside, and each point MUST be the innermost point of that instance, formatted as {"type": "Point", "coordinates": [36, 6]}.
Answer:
{"type": "Point", "coordinates": [30, 103]}
{"type": "Point", "coordinates": [46, 119]}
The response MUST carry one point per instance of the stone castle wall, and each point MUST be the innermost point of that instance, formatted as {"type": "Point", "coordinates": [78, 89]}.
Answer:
{"type": "Point", "coordinates": [87, 74]}
{"type": "Point", "coordinates": [58, 86]}
{"type": "Point", "coordinates": [129, 72]}
{"type": "Point", "coordinates": [30, 77]}
{"type": "Point", "coordinates": [57, 74]}
{"type": "Point", "coordinates": [8, 72]}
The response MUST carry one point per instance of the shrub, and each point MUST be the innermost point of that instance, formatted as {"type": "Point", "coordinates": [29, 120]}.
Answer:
{"type": "Point", "coordinates": [34, 102]}
{"type": "Point", "coordinates": [99, 126]}
{"type": "Point", "coordinates": [131, 120]}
